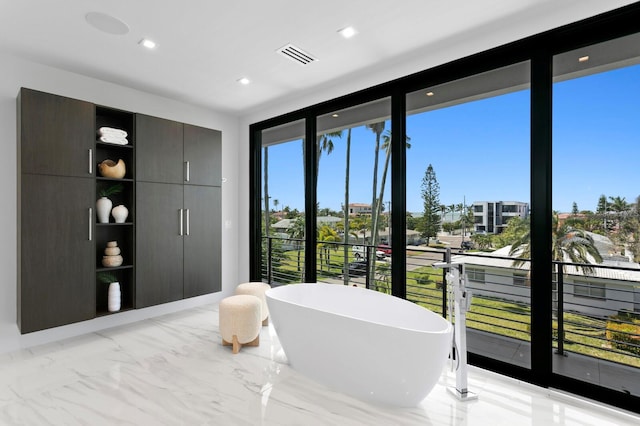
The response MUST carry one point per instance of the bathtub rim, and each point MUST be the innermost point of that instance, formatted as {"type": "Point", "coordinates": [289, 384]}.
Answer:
{"type": "Point", "coordinates": [448, 329]}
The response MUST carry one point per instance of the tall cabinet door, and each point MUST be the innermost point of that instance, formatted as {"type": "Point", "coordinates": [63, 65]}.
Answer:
{"type": "Point", "coordinates": [159, 156]}
{"type": "Point", "coordinates": [159, 243]}
{"type": "Point", "coordinates": [202, 154]}
{"type": "Point", "coordinates": [201, 240]}
{"type": "Point", "coordinates": [57, 134]}
{"type": "Point", "coordinates": [57, 251]}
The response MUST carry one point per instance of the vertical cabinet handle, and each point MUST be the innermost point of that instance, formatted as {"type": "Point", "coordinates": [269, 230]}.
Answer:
{"type": "Point", "coordinates": [90, 161]}
{"type": "Point", "coordinates": [181, 221]}
{"type": "Point", "coordinates": [187, 171]}
{"type": "Point", "coordinates": [90, 224]}
{"type": "Point", "coordinates": [188, 222]}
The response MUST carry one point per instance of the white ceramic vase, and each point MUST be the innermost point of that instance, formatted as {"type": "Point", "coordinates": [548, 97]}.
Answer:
{"type": "Point", "coordinates": [120, 213]}
{"type": "Point", "coordinates": [114, 297]}
{"type": "Point", "coordinates": [103, 208]}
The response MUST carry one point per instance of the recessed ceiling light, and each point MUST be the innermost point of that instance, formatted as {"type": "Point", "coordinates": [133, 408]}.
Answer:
{"type": "Point", "coordinates": [149, 44]}
{"type": "Point", "coordinates": [348, 32]}
{"type": "Point", "coordinates": [106, 23]}
{"type": "Point", "coordinates": [335, 115]}
{"type": "Point", "coordinates": [244, 81]}
{"type": "Point", "coordinates": [583, 58]}
{"type": "Point", "coordinates": [429, 93]}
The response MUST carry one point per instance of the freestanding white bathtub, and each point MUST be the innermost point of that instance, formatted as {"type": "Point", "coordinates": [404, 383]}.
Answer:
{"type": "Point", "coordinates": [361, 342]}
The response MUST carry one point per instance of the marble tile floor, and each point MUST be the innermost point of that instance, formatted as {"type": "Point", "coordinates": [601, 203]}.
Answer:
{"type": "Point", "coordinates": [173, 370]}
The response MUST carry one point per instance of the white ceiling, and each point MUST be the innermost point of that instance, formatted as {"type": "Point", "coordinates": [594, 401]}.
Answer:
{"type": "Point", "coordinates": [205, 46]}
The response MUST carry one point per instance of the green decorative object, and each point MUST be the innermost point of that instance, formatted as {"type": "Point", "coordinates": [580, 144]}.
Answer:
{"type": "Point", "coordinates": [111, 190]}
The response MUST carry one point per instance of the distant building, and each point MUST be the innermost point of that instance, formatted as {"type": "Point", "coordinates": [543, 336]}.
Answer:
{"type": "Point", "coordinates": [359, 208]}
{"type": "Point", "coordinates": [492, 217]}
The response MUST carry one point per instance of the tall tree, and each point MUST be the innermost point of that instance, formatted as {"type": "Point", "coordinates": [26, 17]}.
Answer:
{"type": "Point", "coordinates": [602, 204]}
{"type": "Point", "coordinates": [431, 198]}
{"type": "Point", "coordinates": [275, 204]}
{"type": "Point", "coordinates": [574, 209]}
{"type": "Point", "coordinates": [376, 128]}
{"type": "Point", "coordinates": [386, 145]}
{"type": "Point", "coordinates": [346, 207]}
{"type": "Point", "coordinates": [296, 232]}
{"type": "Point", "coordinates": [323, 144]}
{"type": "Point", "coordinates": [265, 166]}
{"type": "Point", "coordinates": [452, 210]}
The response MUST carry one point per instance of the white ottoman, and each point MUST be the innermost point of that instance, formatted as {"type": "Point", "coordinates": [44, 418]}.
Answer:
{"type": "Point", "coordinates": [240, 319]}
{"type": "Point", "coordinates": [257, 289]}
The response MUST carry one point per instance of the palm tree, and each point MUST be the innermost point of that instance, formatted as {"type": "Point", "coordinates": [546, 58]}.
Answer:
{"type": "Point", "coordinates": [567, 242]}
{"type": "Point", "coordinates": [275, 204]}
{"type": "Point", "coordinates": [324, 144]}
{"type": "Point", "coordinates": [618, 205]}
{"type": "Point", "coordinates": [327, 236]}
{"type": "Point", "coordinates": [297, 232]}
{"type": "Point", "coordinates": [443, 210]}
{"type": "Point", "coordinates": [267, 220]}
{"type": "Point", "coordinates": [346, 207]}
{"type": "Point", "coordinates": [361, 224]}
{"type": "Point", "coordinates": [376, 128]}
{"type": "Point", "coordinates": [386, 145]}
{"type": "Point", "coordinates": [452, 210]}
{"type": "Point", "coordinates": [383, 271]}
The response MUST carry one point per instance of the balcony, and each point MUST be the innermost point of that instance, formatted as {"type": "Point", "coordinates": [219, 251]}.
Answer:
{"type": "Point", "coordinates": [596, 316]}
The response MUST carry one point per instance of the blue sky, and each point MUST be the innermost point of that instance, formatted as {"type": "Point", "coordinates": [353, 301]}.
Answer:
{"type": "Point", "coordinates": [480, 150]}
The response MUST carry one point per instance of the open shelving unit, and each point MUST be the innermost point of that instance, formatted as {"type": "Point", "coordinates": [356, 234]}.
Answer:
{"type": "Point", "coordinates": [123, 233]}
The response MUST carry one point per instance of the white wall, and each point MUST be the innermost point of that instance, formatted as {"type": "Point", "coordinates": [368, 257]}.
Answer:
{"type": "Point", "coordinates": [18, 73]}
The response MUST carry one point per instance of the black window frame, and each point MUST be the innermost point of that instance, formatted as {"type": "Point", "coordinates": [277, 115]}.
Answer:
{"type": "Point", "coordinates": [539, 50]}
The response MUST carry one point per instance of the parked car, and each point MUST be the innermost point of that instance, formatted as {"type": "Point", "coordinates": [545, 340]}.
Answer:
{"type": "Point", "coordinates": [357, 268]}
{"type": "Point", "coordinates": [359, 252]}
{"type": "Point", "coordinates": [466, 245]}
{"type": "Point", "coordinates": [384, 248]}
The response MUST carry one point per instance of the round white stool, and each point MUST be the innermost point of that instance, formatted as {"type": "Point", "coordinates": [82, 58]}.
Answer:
{"type": "Point", "coordinates": [257, 289]}
{"type": "Point", "coordinates": [240, 319]}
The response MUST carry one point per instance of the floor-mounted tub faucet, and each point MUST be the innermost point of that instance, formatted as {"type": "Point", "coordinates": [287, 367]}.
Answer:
{"type": "Point", "coordinates": [458, 303]}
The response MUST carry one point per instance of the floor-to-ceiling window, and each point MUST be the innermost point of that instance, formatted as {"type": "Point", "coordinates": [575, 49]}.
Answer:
{"type": "Point", "coordinates": [467, 185]}
{"type": "Point", "coordinates": [282, 202]}
{"type": "Point", "coordinates": [596, 203]}
{"type": "Point", "coordinates": [500, 155]}
{"type": "Point", "coordinates": [353, 195]}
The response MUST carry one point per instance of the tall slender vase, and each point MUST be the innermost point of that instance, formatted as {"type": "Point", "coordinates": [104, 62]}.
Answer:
{"type": "Point", "coordinates": [113, 301]}
{"type": "Point", "coordinates": [103, 209]}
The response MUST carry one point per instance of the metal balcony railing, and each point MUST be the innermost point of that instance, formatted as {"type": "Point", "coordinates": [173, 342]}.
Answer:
{"type": "Point", "coordinates": [596, 313]}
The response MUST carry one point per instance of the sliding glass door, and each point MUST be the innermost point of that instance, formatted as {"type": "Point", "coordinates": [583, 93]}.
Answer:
{"type": "Point", "coordinates": [596, 202]}
{"type": "Point", "coordinates": [467, 191]}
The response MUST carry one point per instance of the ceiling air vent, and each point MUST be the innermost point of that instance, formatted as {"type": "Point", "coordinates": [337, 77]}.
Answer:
{"type": "Point", "coordinates": [296, 54]}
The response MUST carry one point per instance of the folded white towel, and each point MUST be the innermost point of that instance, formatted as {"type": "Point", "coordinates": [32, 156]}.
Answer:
{"type": "Point", "coordinates": [114, 140]}
{"type": "Point", "coordinates": [112, 132]}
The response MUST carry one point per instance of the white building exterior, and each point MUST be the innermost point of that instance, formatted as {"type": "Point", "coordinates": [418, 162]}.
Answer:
{"type": "Point", "coordinates": [602, 293]}
{"type": "Point", "coordinates": [491, 217]}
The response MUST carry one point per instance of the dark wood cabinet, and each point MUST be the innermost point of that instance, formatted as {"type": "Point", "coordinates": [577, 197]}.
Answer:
{"type": "Point", "coordinates": [202, 240]}
{"type": "Point", "coordinates": [57, 134]}
{"type": "Point", "coordinates": [170, 240]}
{"type": "Point", "coordinates": [186, 165]}
{"type": "Point", "coordinates": [202, 155]}
{"type": "Point", "coordinates": [159, 240]}
{"type": "Point", "coordinates": [56, 284]}
{"type": "Point", "coordinates": [159, 150]}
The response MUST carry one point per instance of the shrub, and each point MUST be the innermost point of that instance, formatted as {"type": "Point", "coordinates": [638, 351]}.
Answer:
{"type": "Point", "coordinates": [623, 333]}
